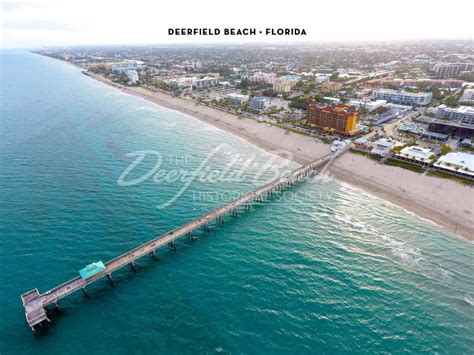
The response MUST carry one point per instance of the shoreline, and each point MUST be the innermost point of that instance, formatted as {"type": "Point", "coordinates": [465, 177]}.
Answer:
{"type": "Point", "coordinates": [453, 211]}
{"type": "Point", "coordinates": [299, 148]}
{"type": "Point", "coordinates": [390, 195]}
{"type": "Point", "coordinates": [442, 201]}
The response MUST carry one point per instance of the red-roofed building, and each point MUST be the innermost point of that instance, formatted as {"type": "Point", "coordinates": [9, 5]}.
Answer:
{"type": "Point", "coordinates": [337, 117]}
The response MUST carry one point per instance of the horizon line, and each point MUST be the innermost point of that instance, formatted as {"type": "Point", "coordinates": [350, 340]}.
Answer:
{"type": "Point", "coordinates": [260, 43]}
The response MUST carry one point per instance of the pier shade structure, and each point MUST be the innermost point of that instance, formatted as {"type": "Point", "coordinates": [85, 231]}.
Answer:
{"type": "Point", "coordinates": [35, 303]}
{"type": "Point", "coordinates": [92, 269]}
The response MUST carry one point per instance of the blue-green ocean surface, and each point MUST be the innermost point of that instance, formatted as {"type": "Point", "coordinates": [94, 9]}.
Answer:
{"type": "Point", "coordinates": [326, 269]}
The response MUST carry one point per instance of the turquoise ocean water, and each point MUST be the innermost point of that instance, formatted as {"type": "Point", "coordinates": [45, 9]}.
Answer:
{"type": "Point", "coordinates": [323, 269]}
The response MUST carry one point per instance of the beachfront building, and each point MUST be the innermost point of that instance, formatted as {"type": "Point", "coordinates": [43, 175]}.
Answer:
{"type": "Point", "coordinates": [360, 141]}
{"type": "Point", "coordinates": [157, 80]}
{"type": "Point", "coordinates": [416, 155]}
{"type": "Point", "coordinates": [181, 83]}
{"type": "Point", "coordinates": [105, 65]}
{"type": "Point", "coordinates": [402, 97]}
{"type": "Point", "coordinates": [461, 114]}
{"type": "Point", "coordinates": [193, 82]}
{"type": "Point", "coordinates": [132, 76]}
{"type": "Point", "coordinates": [205, 82]}
{"type": "Point", "coordinates": [339, 118]}
{"type": "Point", "coordinates": [331, 87]}
{"type": "Point", "coordinates": [237, 100]}
{"type": "Point", "coordinates": [458, 163]}
{"type": "Point", "coordinates": [258, 103]}
{"type": "Point", "coordinates": [291, 115]}
{"type": "Point", "coordinates": [382, 148]}
{"type": "Point", "coordinates": [468, 96]}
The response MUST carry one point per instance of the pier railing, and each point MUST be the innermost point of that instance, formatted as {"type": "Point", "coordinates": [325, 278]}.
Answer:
{"type": "Point", "coordinates": [35, 303]}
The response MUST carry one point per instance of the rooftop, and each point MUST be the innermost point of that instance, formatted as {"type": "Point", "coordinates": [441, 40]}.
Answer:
{"type": "Point", "coordinates": [459, 161]}
{"type": "Point", "coordinates": [290, 78]}
{"type": "Point", "coordinates": [384, 143]}
{"type": "Point", "coordinates": [237, 96]}
{"type": "Point", "coordinates": [451, 123]}
{"type": "Point", "coordinates": [401, 92]}
{"type": "Point", "coordinates": [436, 135]}
{"type": "Point", "coordinates": [360, 140]}
{"type": "Point", "coordinates": [339, 109]}
{"type": "Point", "coordinates": [259, 98]}
{"type": "Point", "coordinates": [92, 269]}
{"type": "Point", "coordinates": [460, 109]}
{"type": "Point", "coordinates": [416, 153]}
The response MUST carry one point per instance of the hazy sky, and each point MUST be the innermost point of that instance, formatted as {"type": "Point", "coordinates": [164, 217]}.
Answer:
{"type": "Point", "coordinates": [27, 24]}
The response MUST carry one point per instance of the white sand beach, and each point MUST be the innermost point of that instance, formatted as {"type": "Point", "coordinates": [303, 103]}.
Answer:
{"type": "Point", "coordinates": [443, 201]}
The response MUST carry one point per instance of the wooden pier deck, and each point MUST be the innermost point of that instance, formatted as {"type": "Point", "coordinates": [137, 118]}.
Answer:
{"type": "Point", "coordinates": [35, 303]}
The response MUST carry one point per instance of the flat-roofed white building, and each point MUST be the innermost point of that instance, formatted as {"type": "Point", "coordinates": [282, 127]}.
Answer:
{"type": "Point", "coordinates": [236, 99]}
{"type": "Point", "coordinates": [182, 83]}
{"type": "Point", "coordinates": [205, 82]}
{"type": "Point", "coordinates": [193, 82]}
{"type": "Point", "coordinates": [382, 148]}
{"type": "Point", "coordinates": [462, 114]}
{"type": "Point", "coordinates": [458, 163]}
{"type": "Point", "coordinates": [403, 97]}
{"type": "Point", "coordinates": [417, 155]}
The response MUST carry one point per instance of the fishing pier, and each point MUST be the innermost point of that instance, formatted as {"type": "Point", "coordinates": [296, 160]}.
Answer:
{"type": "Point", "coordinates": [35, 303]}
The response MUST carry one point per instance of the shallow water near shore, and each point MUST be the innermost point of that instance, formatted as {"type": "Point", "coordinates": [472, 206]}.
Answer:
{"type": "Point", "coordinates": [322, 268]}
